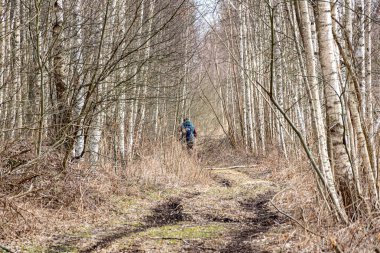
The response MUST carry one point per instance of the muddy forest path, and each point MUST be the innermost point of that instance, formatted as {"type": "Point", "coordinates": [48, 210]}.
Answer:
{"type": "Point", "coordinates": [232, 214]}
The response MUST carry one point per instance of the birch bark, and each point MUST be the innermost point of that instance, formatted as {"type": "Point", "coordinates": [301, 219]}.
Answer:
{"type": "Point", "coordinates": [62, 116]}
{"type": "Point", "coordinates": [360, 54]}
{"type": "Point", "coordinates": [333, 94]}
{"type": "Point", "coordinates": [314, 89]}
{"type": "Point", "coordinates": [278, 85]}
{"type": "Point", "coordinates": [2, 68]}
{"type": "Point", "coordinates": [147, 54]}
{"type": "Point", "coordinates": [78, 68]}
{"type": "Point", "coordinates": [135, 92]}
{"type": "Point", "coordinates": [368, 81]}
{"type": "Point", "coordinates": [243, 81]}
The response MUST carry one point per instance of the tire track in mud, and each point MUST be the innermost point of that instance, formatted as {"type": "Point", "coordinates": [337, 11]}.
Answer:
{"type": "Point", "coordinates": [250, 228]}
{"type": "Point", "coordinates": [241, 238]}
{"type": "Point", "coordinates": [168, 212]}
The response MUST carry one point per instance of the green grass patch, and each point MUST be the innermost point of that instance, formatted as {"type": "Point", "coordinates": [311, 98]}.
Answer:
{"type": "Point", "coordinates": [185, 232]}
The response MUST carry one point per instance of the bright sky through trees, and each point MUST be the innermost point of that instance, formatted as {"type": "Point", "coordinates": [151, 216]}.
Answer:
{"type": "Point", "coordinates": [207, 12]}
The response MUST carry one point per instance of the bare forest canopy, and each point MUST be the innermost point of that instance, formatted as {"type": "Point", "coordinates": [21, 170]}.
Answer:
{"type": "Point", "coordinates": [97, 82]}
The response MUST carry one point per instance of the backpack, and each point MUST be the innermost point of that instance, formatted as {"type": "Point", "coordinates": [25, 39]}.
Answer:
{"type": "Point", "coordinates": [188, 131]}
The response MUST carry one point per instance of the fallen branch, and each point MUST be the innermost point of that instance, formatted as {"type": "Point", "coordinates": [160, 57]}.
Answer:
{"type": "Point", "coordinates": [167, 238]}
{"type": "Point", "coordinates": [5, 249]}
{"type": "Point", "coordinates": [296, 221]}
{"type": "Point", "coordinates": [231, 167]}
{"type": "Point", "coordinates": [23, 193]}
{"type": "Point", "coordinates": [336, 247]}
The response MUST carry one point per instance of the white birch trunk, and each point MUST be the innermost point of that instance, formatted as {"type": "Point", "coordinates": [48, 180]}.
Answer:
{"type": "Point", "coordinates": [242, 72]}
{"type": "Point", "coordinates": [135, 92]}
{"type": "Point", "coordinates": [348, 19]}
{"type": "Point", "coordinates": [314, 89]}
{"type": "Point", "coordinates": [248, 86]}
{"type": "Point", "coordinates": [368, 81]}
{"type": "Point", "coordinates": [80, 95]}
{"type": "Point", "coordinates": [279, 81]}
{"type": "Point", "coordinates": [94, 140]}
{"type": "Point", "coordinates": [145, 74]}
{"type": "Point", "coordinates": [362, 147]}
{"type": "Point", "coordinates": [18, 67]}
{"type": "Point", "coordinates": [185, 76]}
{"type": "Point", "coordinates": [6, 72]}
{"type": "Point", "coordinates": [360, 54]}
{"type": "Point", "coordinates": [96, 129]}
{"type": "Point", "coordinates": [122, 100]}
{"type": "Point", "coordinates": [16, 118]}
{"type": "Point", "coordinates": [156, 114]}
{"type": "Point", "coordinates": [58, 70]}
{"type": "Point", "coordinates": [2, 58]}
{"type": "Point", "coordinates": [333, 103]}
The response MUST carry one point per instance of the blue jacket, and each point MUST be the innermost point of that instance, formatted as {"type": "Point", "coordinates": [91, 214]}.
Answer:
{"type": "Point", "coordinates": [190, 130]}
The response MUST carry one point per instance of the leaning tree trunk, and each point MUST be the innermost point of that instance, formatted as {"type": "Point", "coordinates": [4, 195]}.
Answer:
{"type": "Point", "coordinates": [315, 96]}
{"type": "Point", "coordinates": [333, 93]}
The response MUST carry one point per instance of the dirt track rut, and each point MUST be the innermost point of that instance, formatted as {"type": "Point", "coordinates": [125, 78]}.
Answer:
{"type": "Point", "coordinates": [232, 215]}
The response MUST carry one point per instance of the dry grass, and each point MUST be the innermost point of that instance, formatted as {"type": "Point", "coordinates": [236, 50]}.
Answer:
{"type": "Point", "coordinates": [301, 199]}
{"type": "Point", "coordinates": [41, 198]}
{"type": "Point", "coordinates": [218, 152]}
{"type": "Point", "coordinates": [168, 165]}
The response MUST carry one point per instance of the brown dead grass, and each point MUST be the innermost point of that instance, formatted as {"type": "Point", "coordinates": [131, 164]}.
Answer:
{"type": "Point", "coordinates": [60, 200]}
{"type": "Point", "coordinates": [218, 152]}
{"type": "Point", "coordinates": [41, 198]}
{"type": "Point", "coordinates": [301, 199]}
{"type": "Point", "coordinates": [168, 165]}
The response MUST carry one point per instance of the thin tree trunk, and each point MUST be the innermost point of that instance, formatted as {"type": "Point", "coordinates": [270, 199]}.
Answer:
{"type": "Point", "coordinates": [242, 39]}
{"type": "Point", "coordinates": [63, 115]}
{"type": "Point", "coordinates": [145, 74]}
{"type": "Point", "coordinates": [368, 81]}
{"type": "Point", "coordinates": [78, 68]}
{"type": "Point", "coordinates": [360, 54]}
{"type": "Point", "coordinates": [278, 81]}
{"type": "Point", "coordinates": [135, 92]}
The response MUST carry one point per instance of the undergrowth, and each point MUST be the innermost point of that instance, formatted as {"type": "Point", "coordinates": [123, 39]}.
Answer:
{"type": "Point", "coordinates": [38, 197]}
{"type": "Point", "coordinates": [316, 228]}
{"type": "Point", "coordinates": [36, 192]}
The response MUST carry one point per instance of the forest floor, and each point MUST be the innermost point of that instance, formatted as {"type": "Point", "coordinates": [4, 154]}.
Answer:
{"type": "Point", "coordinates": [216, 200]}
{"type": "Point", "coordinates": [231, 214]}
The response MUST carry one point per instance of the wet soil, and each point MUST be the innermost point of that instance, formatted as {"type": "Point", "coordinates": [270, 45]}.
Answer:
{"type": "Point", "coordinates": [245, 233]}
{"type": "Point", "coordinates": [251, 228]}
{"type": "Point", "coordinates": [165, 213]}
{"type": "Point", "coordinates": [169, 212]}
{"type": "Point", "coordinates": [222, 181]}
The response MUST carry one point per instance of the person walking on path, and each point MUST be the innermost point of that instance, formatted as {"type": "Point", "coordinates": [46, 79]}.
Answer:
{"type": "Point", "coordinates": [188, 133]}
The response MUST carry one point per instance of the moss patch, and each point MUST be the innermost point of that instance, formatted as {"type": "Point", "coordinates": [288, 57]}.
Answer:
{"type": "Point", "coordinates": [185, 231]}
{"type": "Point", "coordinates": [169, 238]}
{"type": "Point", "coordinates": [41, 249]}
